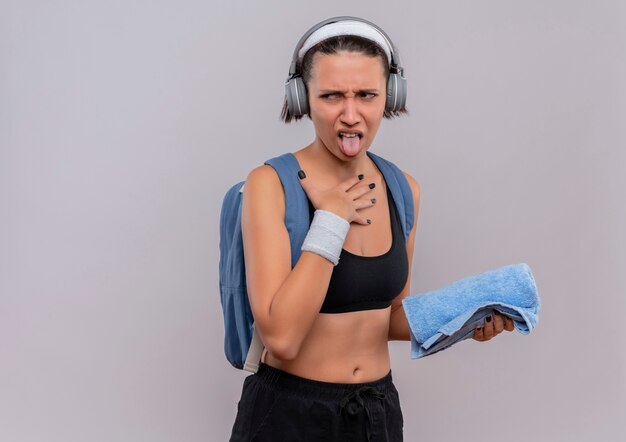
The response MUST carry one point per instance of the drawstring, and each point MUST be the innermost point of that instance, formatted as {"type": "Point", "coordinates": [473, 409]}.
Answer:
{"type": "Point", "coordinates": [353, 408]}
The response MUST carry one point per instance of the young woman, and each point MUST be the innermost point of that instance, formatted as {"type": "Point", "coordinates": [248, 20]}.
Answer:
{"type": "Point", "coordinates": [326, 322]}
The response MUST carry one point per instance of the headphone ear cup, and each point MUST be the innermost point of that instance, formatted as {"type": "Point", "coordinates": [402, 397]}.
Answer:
{"type": "Point", "coordinates": [296, 94]}
{"type": "Point", "coordinates": [396, 92]}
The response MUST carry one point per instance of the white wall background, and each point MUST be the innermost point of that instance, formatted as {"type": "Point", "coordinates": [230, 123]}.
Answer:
{"type": "Point", "coordinates": [122, 124]}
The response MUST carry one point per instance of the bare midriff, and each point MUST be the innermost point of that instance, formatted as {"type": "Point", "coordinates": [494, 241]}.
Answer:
{"type": "Point", "coordinates": [342, 348]}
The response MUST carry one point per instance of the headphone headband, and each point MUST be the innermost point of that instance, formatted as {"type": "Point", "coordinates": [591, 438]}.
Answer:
{"type": "Point", "coordinates": [346, 27]}
{"type": "Point", "coordinates": [394, 62]}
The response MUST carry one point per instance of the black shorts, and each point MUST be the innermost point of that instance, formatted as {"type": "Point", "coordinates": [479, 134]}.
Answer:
{"type": "Point", "coordinates": [277, 406]}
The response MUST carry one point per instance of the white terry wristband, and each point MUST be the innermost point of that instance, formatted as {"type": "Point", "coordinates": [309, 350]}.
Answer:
{"type": "Point", "coordinates": [326, 235]}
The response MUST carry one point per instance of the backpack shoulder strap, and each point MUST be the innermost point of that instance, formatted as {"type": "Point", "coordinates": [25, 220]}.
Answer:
{"type": "Point", "coordinates": [400, 191]}
{"type": "Point", "coordinates": [296, 205]}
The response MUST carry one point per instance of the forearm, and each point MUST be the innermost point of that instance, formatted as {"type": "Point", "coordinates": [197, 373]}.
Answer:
{"type": "Point", "coordinates": [399, 326]}
{"type": "Point", "coordinates": [296, 304]}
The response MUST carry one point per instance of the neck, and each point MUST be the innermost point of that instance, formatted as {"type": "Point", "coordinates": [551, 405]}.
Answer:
{"type": "Point", "coordinates": [337, 167]}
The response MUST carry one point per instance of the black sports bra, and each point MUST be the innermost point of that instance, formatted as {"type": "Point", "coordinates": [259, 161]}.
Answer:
{"type": "Point", "coordinates": [368, 282]}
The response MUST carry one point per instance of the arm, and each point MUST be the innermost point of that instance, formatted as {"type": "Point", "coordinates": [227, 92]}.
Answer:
{"type": "Point", "coordinates": [398, 324]}
{"type": "Point", "coordinates": [285, 302]}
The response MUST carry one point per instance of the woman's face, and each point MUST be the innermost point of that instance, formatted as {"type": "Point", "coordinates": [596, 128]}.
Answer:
{"type": "Point", "coordinates": [347, 93]}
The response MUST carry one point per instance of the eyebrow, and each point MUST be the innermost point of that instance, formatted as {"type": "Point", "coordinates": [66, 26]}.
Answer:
{"type": "Point", "coordinates": [326, 91]}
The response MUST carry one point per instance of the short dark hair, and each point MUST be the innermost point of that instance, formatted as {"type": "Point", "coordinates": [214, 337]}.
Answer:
{"type": "Point", "coordinates": [349, 43]}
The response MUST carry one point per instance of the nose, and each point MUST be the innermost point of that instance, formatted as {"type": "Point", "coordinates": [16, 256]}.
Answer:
{"type": "Point", "coordinates": [350, 115]}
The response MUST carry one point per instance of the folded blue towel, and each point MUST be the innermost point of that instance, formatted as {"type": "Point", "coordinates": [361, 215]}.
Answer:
{"type": "Point", "coordinates": [443, 317]}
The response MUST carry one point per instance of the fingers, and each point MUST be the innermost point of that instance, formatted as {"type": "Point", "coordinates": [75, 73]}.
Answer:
{"type": "Point", "coordinates": [493, 325]}
{"type": "Point", "coordinates": [479, 335]}
{"type": "Point", "coordinates": [364, 203]}
{"type": "Point", "coordinates": [362, 220]}
{"type": "Point", "coordinates": [508, 323]}
{"type": "Point", "coordinates": [358, 192]}
{"type": "Point", "coordinates": [502, 322]}
{"type": "Point", "coordinates": [344, 199]}
{"type": "Point", "coordinates": [305, 183]}
{"type": "Point", "coordinates": [488, 331]}
{"type": "Point", "coordinates": [346, 185]}
{"type": "Point", "coordinates": [498, 323]}
{"type": "Point", "coordinates": [351, 182]}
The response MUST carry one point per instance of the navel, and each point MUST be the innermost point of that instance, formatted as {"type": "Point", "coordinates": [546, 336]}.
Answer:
{"type": "Point", "coordinates": [356, 371]}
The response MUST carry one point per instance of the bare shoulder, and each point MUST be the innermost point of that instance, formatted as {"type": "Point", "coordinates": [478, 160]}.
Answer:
{"type": "Point", "coordinates": [264, 189]}
{"type": "Point", "coordinates": [415, 187]}
{"type": "Point", "coordinates": [263, 176]}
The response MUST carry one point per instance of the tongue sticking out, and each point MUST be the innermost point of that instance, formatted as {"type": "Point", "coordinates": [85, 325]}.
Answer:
{"type": "Point", "coordinates": [350, 146]}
